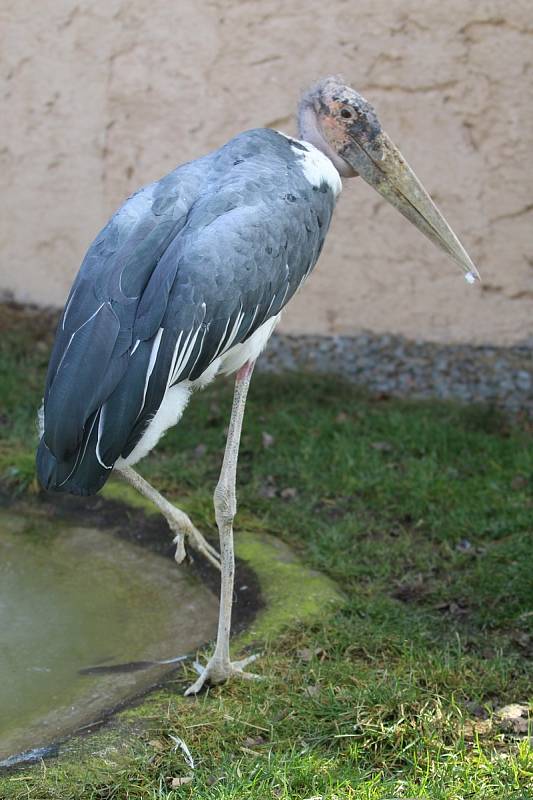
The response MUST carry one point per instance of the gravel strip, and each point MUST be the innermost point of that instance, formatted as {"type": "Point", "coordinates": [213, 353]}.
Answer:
{"type": "Point", "coordinates": [382, 364]}
{"type": "Point", "coordinates": [392, 365]}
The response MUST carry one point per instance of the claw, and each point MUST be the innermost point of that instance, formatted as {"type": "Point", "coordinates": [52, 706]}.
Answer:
{"type": "Point", "coordinates": [179, 541]}
{"type": "Point", "coordinates": [198, 542]}
{"type": "Point", "coordinates": [198, 667]}
{"type": "Point", "coordinates": [217, 671]}
{"type": "Point", "coordinates": [206, 549]}
{"type": "Point", "coordinates": [178, 522]}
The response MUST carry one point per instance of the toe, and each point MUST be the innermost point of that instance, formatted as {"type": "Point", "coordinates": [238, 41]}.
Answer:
{"type": "Point", "coordinates": [195, 687]}
{"type": "Point", "coordinates": [180, 553]}
{"type": "Point", "coordinates": [243, 662]}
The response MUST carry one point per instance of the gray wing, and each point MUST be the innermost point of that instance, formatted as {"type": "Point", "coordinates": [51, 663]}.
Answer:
{"type": "Point", "coordinates": [251, 236]}
{"type": "Point", "coordinates": [245, 250]}
{"type": "Point", "coordinates": [90, 355]}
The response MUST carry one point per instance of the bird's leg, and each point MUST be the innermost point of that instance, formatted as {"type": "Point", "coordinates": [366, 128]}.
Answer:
{"type": "Point", "coordinates": [178, 521]}
{"type": "Point", "coordinates": [219, 667]}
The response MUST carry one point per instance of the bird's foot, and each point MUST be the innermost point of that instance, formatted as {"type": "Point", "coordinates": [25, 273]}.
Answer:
{"type": "Point", "coordinates": [217, 671]}
{"type": "Point", "coordinates": [197, 541]}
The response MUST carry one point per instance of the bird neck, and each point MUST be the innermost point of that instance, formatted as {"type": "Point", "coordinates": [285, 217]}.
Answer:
{"type": "Point", "coordinates": [309, 131]}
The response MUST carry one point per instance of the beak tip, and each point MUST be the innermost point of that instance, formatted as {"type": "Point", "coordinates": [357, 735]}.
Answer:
{"type": "Point", "coordinates": [471, 271]}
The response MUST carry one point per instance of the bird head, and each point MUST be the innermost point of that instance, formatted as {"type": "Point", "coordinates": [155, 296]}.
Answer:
{"type": "Point", "coordinates": [341, 123]}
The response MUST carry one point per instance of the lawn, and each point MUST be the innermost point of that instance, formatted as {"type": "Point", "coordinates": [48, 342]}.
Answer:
{"type": "Point", "coordinates": [421, 512]}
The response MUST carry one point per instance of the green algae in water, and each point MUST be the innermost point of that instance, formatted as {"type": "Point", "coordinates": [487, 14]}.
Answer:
{"type": "Point", "coordinates": [76, 597]}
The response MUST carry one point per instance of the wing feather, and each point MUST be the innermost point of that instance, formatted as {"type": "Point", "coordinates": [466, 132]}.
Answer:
{"type": "Point", "coordinates": [95, 335]}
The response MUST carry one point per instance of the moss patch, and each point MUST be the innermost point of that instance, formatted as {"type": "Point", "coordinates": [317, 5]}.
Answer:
{"type": "Point", "coordinates": [293, 593]}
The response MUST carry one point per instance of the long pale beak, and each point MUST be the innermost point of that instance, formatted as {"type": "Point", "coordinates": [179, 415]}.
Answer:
{"type": "Point", "coordinates": [380, 163]}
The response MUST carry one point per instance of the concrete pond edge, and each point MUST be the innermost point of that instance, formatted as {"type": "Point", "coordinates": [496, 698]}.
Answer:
{"type": "Point", "coordinates": [290, 592]}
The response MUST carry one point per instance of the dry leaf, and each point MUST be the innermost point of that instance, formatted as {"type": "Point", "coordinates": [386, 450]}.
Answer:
{"type": "Point", "coordinates": [199, 451]}
{"type": "Point", "coordinates": [523, 639]}
{"type": "Point", "coordinates": [181, 781]}
{"type": "Point", "coordinates": [512, 711]}
{"type": "Point", "coordinates": [157, 744]}
{"type": "Point", "coordinates": [253, 741]}
{"type": "Point", "coordinates": [513, 718]}
{"type": "Point", "coordinates": [305, 654]}
{"type": "Point", "coordinates": [477, 726]}
{"type": "Point", "coordinates": [268, 488]}
{"type": "Point", "coordinates": [215, 413]}
{"type": "Point", "coordinates": [384, 447]}
{"type": "Point", "coordinates": [289, 493]}
{"type": "Point", "coordinates": [519, 482]}
{"type": "Point", "coordinates": [267, 439]}
{"type": "Point", "coordinates": [267, 491]}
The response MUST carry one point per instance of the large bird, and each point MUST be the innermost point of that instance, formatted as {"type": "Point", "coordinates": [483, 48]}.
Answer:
{"type": "Point", "coordinates": [186, 281]}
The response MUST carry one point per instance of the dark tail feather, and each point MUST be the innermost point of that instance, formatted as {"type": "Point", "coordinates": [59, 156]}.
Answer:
{"type": "Point", "coordinates": [82, 470]}
{"type": "Point", "coordinates": [82, 474]}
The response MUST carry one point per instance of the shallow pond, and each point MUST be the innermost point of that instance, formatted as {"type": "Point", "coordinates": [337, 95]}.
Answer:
{"type": "Point", "coordinates": [87, 620]}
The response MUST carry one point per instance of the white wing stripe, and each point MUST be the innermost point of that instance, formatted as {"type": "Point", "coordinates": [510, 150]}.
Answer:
{"type": "Point", "coordinates": [175, 371]}
{"type": "Point", "coordinates": [179, 356]}
{"type": "Point", "coordinates": [77, 331]}
{"type": "Point", "coordinates": [151, 365]}
{"type": "Point", "coordinates": [222, 339]}
{"type": "Point", "coordinates": [234, 330]}
{"type": "Point", "coordinates": [270, 305]}
{"type": "Point", "coordinates": [185, 355]}
{"type": "Point", "coordinates": [199, 349]}
{"type": "Point", "coordinates": [100, 431]}
{"type": "Point", "coordinates": [67, 308]}
{"type": "Point", "coordinates": [253, 318]}
{"type": "Point", "coordinates": [174, 357]}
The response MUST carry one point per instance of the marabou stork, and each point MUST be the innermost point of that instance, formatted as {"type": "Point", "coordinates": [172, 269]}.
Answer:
{"type": "Point", "coordinates": [188, 280]}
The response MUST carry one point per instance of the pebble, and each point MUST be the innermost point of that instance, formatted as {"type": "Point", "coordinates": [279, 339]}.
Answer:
{"type": "Point", "coordinates": [501, 376]}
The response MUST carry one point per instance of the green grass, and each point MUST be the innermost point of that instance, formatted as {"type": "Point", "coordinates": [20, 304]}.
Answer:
{"type": "Point", "coordinates": [422, 513]}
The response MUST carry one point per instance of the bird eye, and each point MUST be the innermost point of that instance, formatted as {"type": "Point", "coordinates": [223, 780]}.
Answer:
{"type": "Point", "coordinates": [346, 114]}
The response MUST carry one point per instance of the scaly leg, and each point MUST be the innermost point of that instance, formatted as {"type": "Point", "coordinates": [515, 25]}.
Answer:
{"type": "Point", "coordinates": [219, 667]}
{"type": "Point", "coordinates": [178, 521]}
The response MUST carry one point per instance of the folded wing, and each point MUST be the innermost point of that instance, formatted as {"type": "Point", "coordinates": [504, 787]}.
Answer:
{"type": "Point", "coordinates": [173, 283]}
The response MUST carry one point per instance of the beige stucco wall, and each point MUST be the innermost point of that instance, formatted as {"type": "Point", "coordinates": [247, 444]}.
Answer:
{"type": "Point", "coordinates": [101, 97]}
